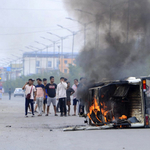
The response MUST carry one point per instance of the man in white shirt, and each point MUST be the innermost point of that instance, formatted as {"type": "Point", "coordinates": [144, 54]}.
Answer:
{"type": "Point", "coordinates": [61, 95]}
{"type": "Point", "coordinates": [29, 89]}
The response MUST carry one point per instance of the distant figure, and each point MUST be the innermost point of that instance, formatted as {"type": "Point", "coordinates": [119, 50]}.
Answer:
{"type": "Point", "coordinates": [0, 93]}
{"type": "Point", "coordinates": [9, 92]}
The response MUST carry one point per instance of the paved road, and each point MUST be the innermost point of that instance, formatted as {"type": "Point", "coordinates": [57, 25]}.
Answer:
{"type": "Point", "coordinates": [34, 133]}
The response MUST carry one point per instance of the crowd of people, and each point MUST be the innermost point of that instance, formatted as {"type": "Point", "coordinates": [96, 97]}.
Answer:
{"type": "Point", "coordinates": [44, 94]}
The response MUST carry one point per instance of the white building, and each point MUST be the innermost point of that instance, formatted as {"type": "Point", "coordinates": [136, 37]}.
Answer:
{"type": "Point", "coordinates": [34, 63]}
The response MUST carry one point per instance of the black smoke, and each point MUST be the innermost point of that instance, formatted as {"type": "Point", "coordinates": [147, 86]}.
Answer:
{"type": "Point", "coordinates": [117, 43]}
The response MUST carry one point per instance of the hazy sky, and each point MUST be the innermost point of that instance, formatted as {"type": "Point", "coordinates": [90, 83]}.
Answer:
{"type": "Point", "coordinates": [25, 21]}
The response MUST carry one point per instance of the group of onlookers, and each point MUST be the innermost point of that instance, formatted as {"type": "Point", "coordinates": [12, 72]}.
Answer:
{"type": "Point", "coordinates": [45, 93]}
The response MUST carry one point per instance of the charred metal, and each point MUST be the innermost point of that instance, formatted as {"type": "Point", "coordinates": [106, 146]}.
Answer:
{"type": "Point", "coordinates": [120, 103]}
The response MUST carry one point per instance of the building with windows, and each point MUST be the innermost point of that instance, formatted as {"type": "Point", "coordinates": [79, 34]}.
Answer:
{"type": "Point", "coordinates": [34, 63]}
{"type": "Point", "coordinates": [64, 63]}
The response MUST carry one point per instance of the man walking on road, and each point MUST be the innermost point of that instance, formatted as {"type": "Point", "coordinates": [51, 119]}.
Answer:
{"type": "Point", "coordinates": [30, 93]}
{"type": "Point", "coordinates": [40, 95]}
{"type": "Point", "coordinates": [61, 95]}
{"type": "Point", "coordinates": [9, 92]}
{"type": "Point", "coordinates": [51, 91]}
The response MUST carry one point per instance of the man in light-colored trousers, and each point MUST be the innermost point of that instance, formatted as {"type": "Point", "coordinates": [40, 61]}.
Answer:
{"type": "Point", "coordinates": [39, 101]}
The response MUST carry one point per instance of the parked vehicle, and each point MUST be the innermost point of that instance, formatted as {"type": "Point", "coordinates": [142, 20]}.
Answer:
{"type": "Point", "coordinates": [18, 92]}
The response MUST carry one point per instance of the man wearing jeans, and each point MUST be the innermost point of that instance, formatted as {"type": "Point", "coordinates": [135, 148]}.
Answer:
{"type": "Point", "coordinates": [61, 95]}
{"type": "Point", "coordinates": [40, 94]}
{"type": "Point", "coordinates": [51, 91]}
{"type": "Point", "coordinates": [75, 100]}
{"type": "Point", "coordinates": [29, 89]}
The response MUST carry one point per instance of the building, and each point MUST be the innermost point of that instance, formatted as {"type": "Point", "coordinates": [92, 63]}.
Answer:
{"type": "Point", "coordinates": [37, 62]}
{"type": "Point", "coordinates": [64, 63]}
{"type": "Point", "coordinates": [11, 72]}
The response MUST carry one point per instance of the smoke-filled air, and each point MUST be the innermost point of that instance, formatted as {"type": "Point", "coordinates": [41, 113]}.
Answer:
{"type": "Point", "coordinates": [116, 37]}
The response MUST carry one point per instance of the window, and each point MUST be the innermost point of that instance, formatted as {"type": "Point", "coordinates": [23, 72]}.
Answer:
{"type": "Point", "coordinates": [65, 70]}
{"type": "Point", "coordinates": [37, 63]}
{"type": "Point", "coordinates": [49, 64]}
{"type": "Point", "coordinates": [65, 61]}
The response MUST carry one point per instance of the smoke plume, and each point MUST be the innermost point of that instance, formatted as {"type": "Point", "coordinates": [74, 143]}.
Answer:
{"type": "Point", "coordinates": [117, 41]}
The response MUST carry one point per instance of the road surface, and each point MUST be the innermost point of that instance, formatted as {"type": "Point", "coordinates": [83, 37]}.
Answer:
{"type": "Point", "coordinates": [46, 133]}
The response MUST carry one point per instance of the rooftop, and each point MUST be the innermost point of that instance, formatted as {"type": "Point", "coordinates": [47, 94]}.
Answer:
{"type": "Point", "coordinates": [49, 54]}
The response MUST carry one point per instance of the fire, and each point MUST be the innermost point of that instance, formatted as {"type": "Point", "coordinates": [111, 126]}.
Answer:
{"type": "Point", "coordinates": [123, 117]}
{"type": "Point", "coordinates": [103, 111]}
{"type": "Point", "coordinates": [94, 108]}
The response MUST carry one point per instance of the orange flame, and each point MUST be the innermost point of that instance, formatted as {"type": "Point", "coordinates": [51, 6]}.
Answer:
{"type": "Point", "coordinates": [103, 111]}
{"type": "Point", "coordinates": [94, 108]}
{"type": "Point", "coordinates": [123, 117]}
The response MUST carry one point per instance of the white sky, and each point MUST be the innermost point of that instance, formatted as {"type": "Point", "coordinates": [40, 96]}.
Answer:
{"type": "Point", "coordinates": [24, 21]}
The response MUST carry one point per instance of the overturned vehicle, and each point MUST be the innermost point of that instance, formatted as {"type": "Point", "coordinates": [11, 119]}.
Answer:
{"type": "Point", "coordinates": [121, 104]}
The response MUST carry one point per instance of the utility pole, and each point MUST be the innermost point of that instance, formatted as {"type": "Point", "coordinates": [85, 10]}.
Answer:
{"type": "Point", "coordinates": [61, 38]}
{"type": "Point", "coordinates": [73, 36]}
{"type": "Point", "coordinates": [54, 44]}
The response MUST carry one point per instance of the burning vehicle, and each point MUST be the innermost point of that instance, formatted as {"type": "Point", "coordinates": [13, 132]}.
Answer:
{"type": "Point", "coordinates": [124, 103]}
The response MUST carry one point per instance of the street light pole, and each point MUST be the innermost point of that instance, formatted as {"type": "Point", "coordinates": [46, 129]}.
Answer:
{"type": "Point", "coordinates": [61, 38]}
{"type": "Point", "coordinates": [36, 54]}
{"type": "Point", "coordinates": [47, 53]}
{"type": "Point", "coordinates": [33, 48]}
{"type": "Point", "coordinates": [84, 25]}
{"type": "Point", "coordinates": [73, 36]}
{"type": "Point", "coordinates": [16, 68]}
{"type": "Point", "coordinates": [54, 44]}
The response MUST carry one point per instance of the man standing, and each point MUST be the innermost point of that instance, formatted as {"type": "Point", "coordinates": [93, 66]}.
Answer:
{"type": "Point", "coordinates": [51, 91]}
{"type": "Point", "coordinates": [30, 93]}
{"type": "Point", "coordinates": [70, 91]}
{"type": "Point", "coordinates": [75, 100]}
{"type": "Point", "coordinates": [9, 92]}
{"type": "Point", "coordinates": [61, 95]}
{"type": "Point", "coordinates": [40, 95]}
{"type": "Point", "coordinates": [45, 101]}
